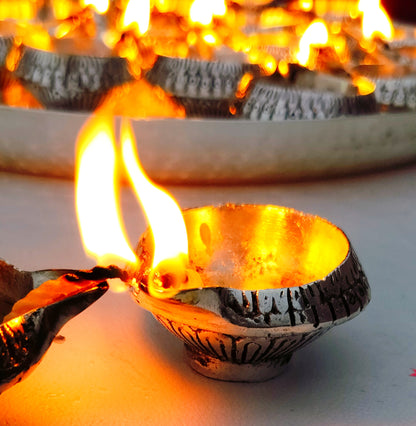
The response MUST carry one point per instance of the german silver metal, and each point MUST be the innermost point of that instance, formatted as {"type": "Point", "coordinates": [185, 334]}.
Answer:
{"type": "Point", "coordinates": [70, 82]}
{"type": "Point", "coordinates": [250, 335]}
{"type": "Point", "coordinates": [204, 88]}
{"type": "Point", "coordinates": [272, 102]}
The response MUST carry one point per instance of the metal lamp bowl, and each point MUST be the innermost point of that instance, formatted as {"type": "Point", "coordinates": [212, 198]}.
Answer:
{"type": "Point", "coordinates": [274, 279]}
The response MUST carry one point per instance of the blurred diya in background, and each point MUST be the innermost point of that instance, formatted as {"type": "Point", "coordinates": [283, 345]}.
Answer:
{"type": "Point", "coordinates": [70, 54]}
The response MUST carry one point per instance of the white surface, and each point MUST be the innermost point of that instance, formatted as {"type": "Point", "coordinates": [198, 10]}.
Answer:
{"type": "Point", "coordinates": [212, 151]}
{"type": "Point", "coordinates": [119, 366]}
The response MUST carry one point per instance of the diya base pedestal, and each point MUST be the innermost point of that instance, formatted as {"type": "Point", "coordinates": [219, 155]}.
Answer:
{"type": "Point", "coordinates": [230, 371]}
{"type": "Point", "coordinates": [272, 279]}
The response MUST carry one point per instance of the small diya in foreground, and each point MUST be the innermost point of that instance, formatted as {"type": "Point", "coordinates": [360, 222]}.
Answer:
{"type": "Point", "coordinates": [262, 282]}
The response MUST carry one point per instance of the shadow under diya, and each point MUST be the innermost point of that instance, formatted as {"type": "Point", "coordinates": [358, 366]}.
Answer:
{"type": "Point", "coordinates": [68, 79]}
{"type": "Point", "coordinates": [271, 280]}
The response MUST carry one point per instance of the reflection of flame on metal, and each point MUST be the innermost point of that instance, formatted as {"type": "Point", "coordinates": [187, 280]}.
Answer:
{"type": "Point", "coordinates": [364, 85]}
{"type": "Point", "coordinates": [15, 95]}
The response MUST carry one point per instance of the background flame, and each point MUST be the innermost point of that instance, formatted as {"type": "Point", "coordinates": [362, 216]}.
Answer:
{"type": "Point", "coordinates": [137, 16]}
{"type": "Point", "coordinates": [101, 6]}
{"type": "Point", "coordinates": [315, 35]}
{"type": "Point", "coordinates": [375, 20]}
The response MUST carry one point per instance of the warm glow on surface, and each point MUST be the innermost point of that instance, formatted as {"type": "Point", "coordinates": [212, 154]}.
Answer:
{"type": "Point", "coordinates": [315, 35]}
{"type": "Point", "coordinates": [34, 36]}
{"type": "Point", "coordinates": [137, 16]}
{"type": "Point", "coordinates": [17, 9]}
{"type": "Point", "coordinates": [376, 21]}
{"type": "Point", "coordinates": [203, 11]}
{"type": "Point", "coordinates": [163, 214]}
{"type": "Point", "coordinates": [96, 194]}
{"type": "Point", "coordinates": [101, 6]}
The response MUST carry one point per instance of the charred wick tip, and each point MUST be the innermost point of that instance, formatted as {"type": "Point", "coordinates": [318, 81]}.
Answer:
{"type": "Point", "coordinates": [99, 273]}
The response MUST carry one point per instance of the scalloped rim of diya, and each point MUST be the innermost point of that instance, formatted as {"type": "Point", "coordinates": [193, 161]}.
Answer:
{"type": "Point", "coordinates": [70, 81]}
{"type": "Point", "coordinates": [204, 88]}
{"type": "Point", "coordinates": [269, 101]}
{"type": "Point", "coordinates": [395, 85]}
{"type": "Point", "coordinates": [248, 332]}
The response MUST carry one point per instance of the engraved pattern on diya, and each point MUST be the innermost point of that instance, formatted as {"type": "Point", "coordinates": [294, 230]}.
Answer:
{"type": "Point", "coordinates": [204, 88]}
{"type": "Point", "coordinates": [70, 81]}
{"type": "Point", "coordinates": [395, 85]}
{"type": "Point", "coordinates": [275, 102]}
{"type": "Point", "coordinates": [274, 279]}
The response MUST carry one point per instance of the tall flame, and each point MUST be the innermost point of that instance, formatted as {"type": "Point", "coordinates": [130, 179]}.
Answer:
{"type": "Point", "coordinates": [376, 21]}
{"type": "Point", "coordinates": [96, 196]}
{"type": "Point", "coordinates": [101, 6]}
{"type": "Point", "coordinates": [98, 209]}
{"type": "Point", "coordinates": [163, 214]}
{"type": "Point", "coordinates": [137, 16]}
{"type": "Point", "coordinates": [315, 35]}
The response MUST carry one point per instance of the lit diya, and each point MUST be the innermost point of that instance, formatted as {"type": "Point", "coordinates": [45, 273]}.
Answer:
{"type": "Point", "coordinates": [243, 286]}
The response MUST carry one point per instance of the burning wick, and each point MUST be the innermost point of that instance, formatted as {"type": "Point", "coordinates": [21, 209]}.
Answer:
{"type": "Point", "coordinates": [172, 276]}
{"type": "Point", "coordinates": [103, 235]}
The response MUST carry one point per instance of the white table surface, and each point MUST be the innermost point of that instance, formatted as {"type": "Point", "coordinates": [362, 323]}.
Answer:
{"type": "Point", "coordinates": [118, 366]}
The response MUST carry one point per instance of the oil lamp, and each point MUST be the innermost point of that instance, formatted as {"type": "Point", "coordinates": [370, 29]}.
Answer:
{"type": "Point", "coordinates": [243, 286]}
{"type": "Point", "coordinates": [270, 281]}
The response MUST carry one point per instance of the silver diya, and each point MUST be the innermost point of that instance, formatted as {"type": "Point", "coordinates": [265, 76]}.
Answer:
{"type": "Point", "coordinates": [204, 88]}
{"type": "Point", "coordinates": [272, 280]}
{"type": "Point", "coordinates": [70, 81]}
{"type": "Point", "coordinates": [313, 96]}
{"type": "Point", "coordinates": [395, 85]}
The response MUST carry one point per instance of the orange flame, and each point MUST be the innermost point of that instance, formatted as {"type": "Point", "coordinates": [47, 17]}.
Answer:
{"type": "Point", "coordinates": [101, 6]}
{"type": "Point", "coordinates": [376, 21]}
{"type": "Point", "coordinates": [163, 214]}
{"type": "Point", "coordinates": [203, 11]}
{"type": "Point", "coordinates": [102, 233]}
{"type": "Point", "coordinates": [315, 35]}
{"type": "Point", "coordinates": [98, 208]}
{"type": "Point", "coordinates": [136, 16]}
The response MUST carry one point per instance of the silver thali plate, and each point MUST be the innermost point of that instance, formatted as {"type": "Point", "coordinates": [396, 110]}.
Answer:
{"type": "Point", "coordinates": [214, 151]}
